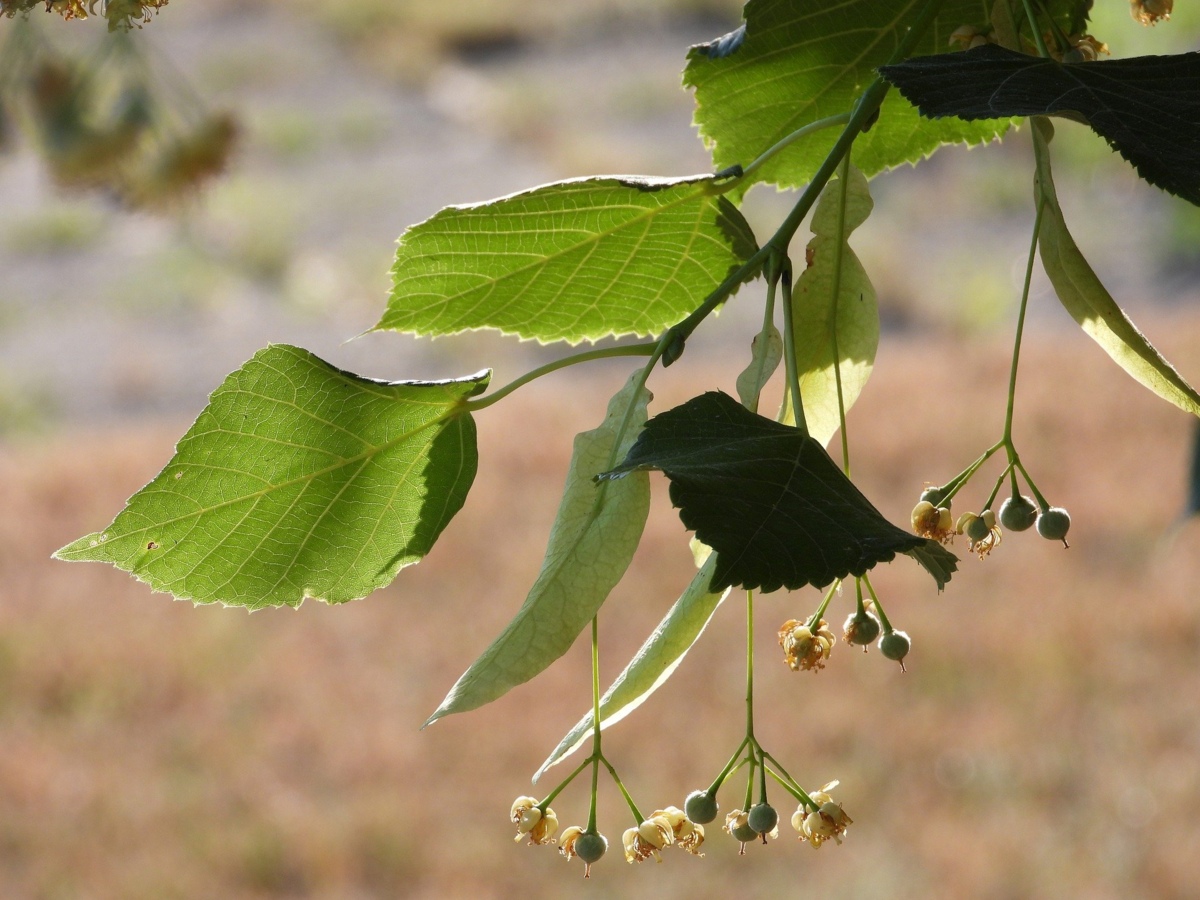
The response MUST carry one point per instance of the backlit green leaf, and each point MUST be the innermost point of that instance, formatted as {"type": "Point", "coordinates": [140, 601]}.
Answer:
{"type": "Point", "coordinates": [297, 480]}
{"type": "Point", "coordinates": [793, 63]}
{"type": "Point", "coordinates": [1086, 299]}
{"type": "Point", "coordinates": [777, 511]}
{"type": "Point", "coordinates": [572, 261]}
{"type": "Point", "coordinates": [592, 542]}
{"type": "Point", "coordinates": [653, 664]}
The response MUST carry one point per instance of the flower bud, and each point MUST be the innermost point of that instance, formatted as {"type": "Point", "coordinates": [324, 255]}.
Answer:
{"type": "Point", "coordinates": [895, 645]}
{"type": "Point", "coordinates": [1054, 524]}
{"type": "Point", "coordinates": [861, 628]}
{"type": "Point", "coordinates": [1018, 513]}
{"type": "Point", "coordinates": [763, 818]}
{"type": "Point", "coordinates": [701, 807]}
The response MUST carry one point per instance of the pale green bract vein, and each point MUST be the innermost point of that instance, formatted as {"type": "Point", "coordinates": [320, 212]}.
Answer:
{"type": "Point", "coordinates": [297, 480]}
{"type": "Point", "coordinates": [653, 664]}
{"type": "Point", "coordinates": [798, 62]}
{"type": "Point", "coordinates": [572, 261]}
{"type": "Point", "coordinates": [592, 542]}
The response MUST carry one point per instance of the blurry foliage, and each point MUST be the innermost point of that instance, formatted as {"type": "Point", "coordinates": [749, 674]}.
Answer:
{"type": "Point", "coordinates": [110, 120]}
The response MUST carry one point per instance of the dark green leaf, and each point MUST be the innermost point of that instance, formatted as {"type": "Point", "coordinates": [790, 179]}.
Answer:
{"type": "Point", "coordinates": [1147, 108]}
{"type": "Point", "coordinates": [936, 560]}
{"type": "Point", "coordinates": [298, 480]}
{"type": "Point", "coordinates": [774, 507]}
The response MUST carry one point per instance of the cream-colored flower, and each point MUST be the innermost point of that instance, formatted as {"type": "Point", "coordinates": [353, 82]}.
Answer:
{"type": "Point", "coordinates": [983, 534]}
{"type": "Point", "coordinates": [827, 821]}
{"type": "Point", "coordinates": [804, 647]}
{"type": "Point", "coordinates": [934, 522]}
{"type": "Point", "coordinates": [688, 835]}
{"type": "Point", "coordinates": [1151, 12]}
{"type": "Point", "coordinates": [566, 843]}
{"type": "Point", "coordinates": [647, 839]}
{"type": "Point", "coordinates": [968, 37]}
{"type": "Point", "coordinates": [530, 820]}
{"type": "Point", "coordinates": [737, 823]}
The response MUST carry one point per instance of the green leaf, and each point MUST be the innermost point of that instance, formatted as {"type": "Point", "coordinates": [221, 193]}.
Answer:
{"type": "Point", "coordinates": [1089, 304]}
{"type": "Point", "coordinates": [936, 560]}
{"type": "Point", "coordinates": [298, 480]}
{"type": "Point", "coordinates": [653, 664]}
{"type": "Point", "coordinates": [1145, 107]}
{"type": "Point", "coordinates": [794, 63]}
{"type": "Point", "coordinates": [766, 350]}
{"type": "Point", "coordinates": [592, 542]}
{"type": "Point", "coordinates": [777, 511]}
{"type": "Point", "coordinates": [814, 308]}
{"type": "Point", "coordinates": [572, 261]}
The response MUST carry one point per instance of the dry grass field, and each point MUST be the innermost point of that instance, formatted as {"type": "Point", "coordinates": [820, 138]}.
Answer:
{"type": "Point", "coordinates": [1045, 742]}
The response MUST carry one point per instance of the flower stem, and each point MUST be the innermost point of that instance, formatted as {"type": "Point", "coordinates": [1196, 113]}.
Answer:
{"type": "Point", "coordinates": [819, 614]}
{"type": "Point", "coordinates": [558, 790]}
{"type": "Point", "coordinates": [803, 796]}
{"type": "Point", "coordinates": [749, 668]}
{"type": "Point", "coordinates": [883, 619]}
{"type": "Point", "coordinates": [843, 179]}
{"type": "Point", "coordinates": [787, 141]}
{"type": "Point", "coordinates": [645, 349]}
{"type": "Point", "coordinates": [637, 813]}
{"type": "Point", "coordinates": [730, 768]}
{"type": "Point", "coordinates": [1036, 29]}
{"type": "Point", "coordinates": [784, 272]}
{"type": "Point", "coordinates": [596, 750]}
{"type": "Point", "coordinates": [1016, 354]}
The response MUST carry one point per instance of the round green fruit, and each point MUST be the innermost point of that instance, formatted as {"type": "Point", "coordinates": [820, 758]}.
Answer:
{"type": "Point", "coordinates": [744, 833]}
{"type": "Point", "coordinates": [701, 807]}
{"type": "Point", "coordinates": [1018, 514]}
{"type": "Point", "coordinates": [763, 818]}
{"type": "Point", "coordinates": [1054, 524]}
{"type": "Point", "coordinates": [895, 645]}
{"type": "Point", "coordinates": [978, 528]}
{"type": "Point", "coordinates": [933, 495]}
{"type": "Point", "coordinates": [591, 847]}
{"type": "Point", "coordinates": [861, 629]}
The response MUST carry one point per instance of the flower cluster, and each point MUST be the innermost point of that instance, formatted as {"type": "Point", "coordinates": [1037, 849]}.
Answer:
{"type": "Point", "coordinates": [122, 15]}
{"type": "Point", "coordinates": [1151, 12]}
{"type": "Point", "coordinates": [105, 122]}
{"type": "Point", "coordinates": [806, 647]}
{"type": "Point", "coordinates": [934, 522]}
{"type": "Point", "coordinates": [823, 821]}
{"type": "Point", "coordinates": [533, 822]}
{"type": "Point", "coordinates": [664, 828]}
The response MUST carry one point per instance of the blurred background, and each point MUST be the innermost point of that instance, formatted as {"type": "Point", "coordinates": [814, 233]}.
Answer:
{"type": "Point", "coordinates": [1045, 741]}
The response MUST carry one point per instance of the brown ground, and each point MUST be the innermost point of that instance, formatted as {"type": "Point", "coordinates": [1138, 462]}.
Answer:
{"type": "Point", "coordinates": [1045, 742]}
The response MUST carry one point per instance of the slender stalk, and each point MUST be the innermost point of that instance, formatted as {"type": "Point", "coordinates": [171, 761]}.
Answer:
{"type": "Point", "coordinates": [785, 142]}
{"type": "Point", "coordinates": [558, 790]}
{"type": "Point", "coordinates": [1043, 503]}
{"type": "Point", "coordinates": [999, 483]}
{"type": "Point", "coordinates": [799, 795]}
{"type": "Point", "coordinates": [789, 350]}
{"type": "Point", "coordinates": [955, 484]}
{"type": "Point", "coordinates": [749, 667]}
{"type": "Point", "coordinates": [637, 813]}
{"type": "Point", "coordinates": [749, 783]}
{"type": "Point", "coordinates": [843, 178]}
{"type": "Point", "coordinates": [596, 749]}
{"type": "Point", "coordinates": [646, 349]}
{"type": "Point", "coordinates": [883, 619]}
{"type": "Point", "coordinates": [730, 768]}
{"type": "Point", "coordinates": [1036, 29]}
{"type": "Point", "coordinates": [1016, 354]}
{"type": "Point", "coordinates": [861, 608]}
{"type": "Point", "coordinates": [803, 796]}
{"type": "Point", "coordinates": [816, 616]}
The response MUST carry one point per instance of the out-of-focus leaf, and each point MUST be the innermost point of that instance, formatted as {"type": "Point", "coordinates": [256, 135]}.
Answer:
{"type": "Point", "coordinates": [572, 261]}
{"type": "Point", "coordinates": [298, 480]}
{"type": "Point", "coordinates": [1147, 107]}
{"type": "Point", "coordinates": [1086, 299]}
{"type": "Point", "coordinates": [653, 664]}
{"type": "Point", "coordinates": [777, 511]}
{"type": "Point", "coordinates": [591, 545]}
{"type": "Point", "coordinates": [765, 353]}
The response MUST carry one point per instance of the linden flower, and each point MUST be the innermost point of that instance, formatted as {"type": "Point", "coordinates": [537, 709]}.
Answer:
{"type": "Point", "coordinates": [688, 835]}
{"type": "Point", "coordinates": [983, 534]}
{"type": "Point", "coordinates": [968, 37]}
{"type": "Point", "coordinates": [827, 821]}
{"type": "Point", "coordinates": [805, 648]}
{"type": "Point", "coordinates": [566, 844]}
{"type": "Point", "coordinates": [934, 522]}
{"type": "Point", "coordinates": [1150, 12]}
{"type": "Point", "coordinates": [647, 839]}
{"type": "Point", "coordinates": [530, 820]}
{"type": "Point", "coordinates": [1084, 48]}
{"type": "Point", "coordinates": [737, 823]}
